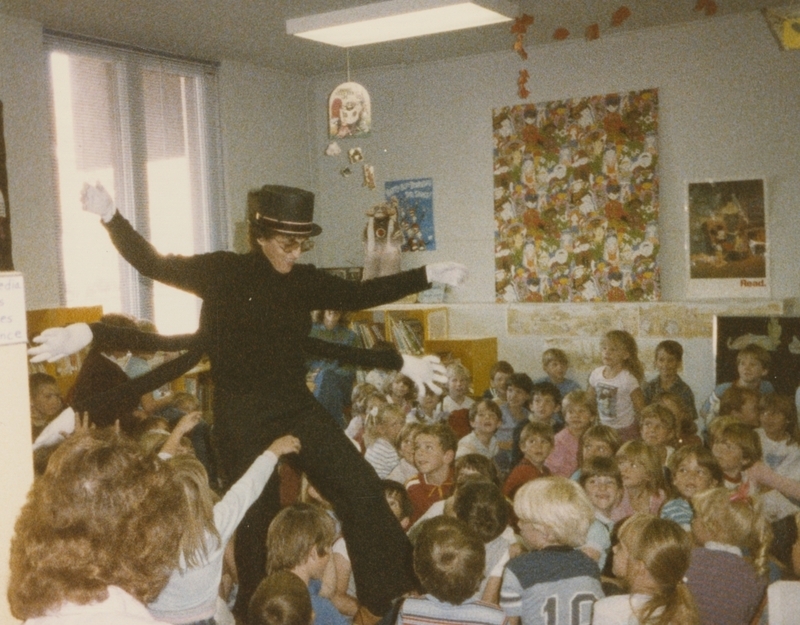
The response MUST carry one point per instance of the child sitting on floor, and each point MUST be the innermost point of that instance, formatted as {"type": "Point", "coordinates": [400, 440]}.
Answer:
{"type": "Point", "coordinates": [498, 382]}
{"type": "Point", "coordinates": [651, 558]}
{"type": "Point", "coordinates": [515, 411]}
{"type": "Point", "coordinates": [642, 480]}
{"type": "Point", "coordinates": [380, 435]}
{"type": "Point", "coordinates": [555, 578]}
{"type": "Point", "coordinates": [405, 469]}
{"type": "Point", "coordinates": [752, 367]}
{"type": "Point", "coordinates": [659, 430]}
{"type": "Point", "coordinates": [434, 453]}
{"type": "Point", "coordinates": [693, 470]}
{"type": "Point", "coordinates": [425, 412]}
{"type": "Point", "coordinates": [536, 443]}
{"type": "Point", "coordinates": [601, 480]}
{"type": "Point", "coordinates": [484, 418]}
{"type": "Point", "coordinates": [455, 406]}
{"type": "Point", "coordinates": [299, 540]}
{"type": "Point", "coordinates": [280, 599]}
{"type": "Point", "coordinates": [449, 560]}
{"type": "Point", "coordinates": [580, 414]}
{"type": "Point", "coordinates": [555, 363]}
{"type": "Point", "coordinates": [728, 586]}
{"type": "Point", "coordinates": [598, 441]}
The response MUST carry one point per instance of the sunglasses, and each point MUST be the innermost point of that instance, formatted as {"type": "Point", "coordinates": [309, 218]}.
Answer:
{"type": "Point", "coordinates": [292, 244]}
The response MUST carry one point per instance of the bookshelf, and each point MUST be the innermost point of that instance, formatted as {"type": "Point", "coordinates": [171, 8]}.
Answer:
{"type": "Point", "coordinates": [407, 327]}
{"type": "Point", "coordinates": [477, 354]}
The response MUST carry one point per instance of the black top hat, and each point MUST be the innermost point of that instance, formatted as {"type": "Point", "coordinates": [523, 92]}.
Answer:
{"type": "Point", "coordinates": [283, 209]}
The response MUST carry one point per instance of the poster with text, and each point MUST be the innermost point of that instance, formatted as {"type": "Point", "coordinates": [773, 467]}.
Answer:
{"type": "Point", "coordinates": [413, 200]}
{"type": "Point", "coordinates": [727, 239]}
{"type": "Point", "coordinates": [576, 199]}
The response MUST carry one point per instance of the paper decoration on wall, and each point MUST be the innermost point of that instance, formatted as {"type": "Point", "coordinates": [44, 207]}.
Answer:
{"type": "Point", "coordinates": [576, 199]}
{"type": "Point", "coordinates": [369, 176]}
{"type": "Point", "coordinates": [414, 202]}
{"type": "Point", "coordinates": [592, 32]}
{"type": "Point", "coordinates": [382, 241]}
{"type": "Point", "coordinates": [349, 111]}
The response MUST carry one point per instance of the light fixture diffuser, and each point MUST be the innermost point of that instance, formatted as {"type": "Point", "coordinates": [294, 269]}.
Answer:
{"type": "Point", "coordinates": [398, 19]}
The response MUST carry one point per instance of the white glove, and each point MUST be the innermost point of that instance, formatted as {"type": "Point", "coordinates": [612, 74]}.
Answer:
{"type": "Point", "coordinates": [426, 371]}
{"type": "Point", "coordinates": [57, 343]}
{"type": "Point", "coordinates": [97, 200]}
{"type": "Point", "coordinates": [57, 430]}
{"type": "Point", "coordinates": [453, 274]}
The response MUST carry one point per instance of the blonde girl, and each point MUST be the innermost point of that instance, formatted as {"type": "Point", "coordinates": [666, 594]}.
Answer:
{"type": "Point", "coordinates": [728, 574]}
{"type": "Point", "coordinates": [401, 391]}
{"type": "Point", "coordinates": [642, 480]}
{"type": "Point", "coordinates": [381, 432]}
{"type": "Point", "coordinates": [405, 469]}
{"type": "Point", "coordinates": [190, 596]}
{"type": "Point", "coordinates": [599, 441]}
{"type": "Point", "coordinates": [651, 558]}
{"type": "Point", "coordinates": [580, 413]}
{"type": "Point", "coordinates": [358, 409]}
{"type": "Point", "coordinates": [616, 385]}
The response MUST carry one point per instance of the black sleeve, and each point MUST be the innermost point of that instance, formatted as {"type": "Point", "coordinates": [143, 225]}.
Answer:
{"type": "Point", "coordinates": [133, 389]}
{"type": "Point", "coordinates": [107, 337]}
{"type": "Point", "coordinates": [367, 358]}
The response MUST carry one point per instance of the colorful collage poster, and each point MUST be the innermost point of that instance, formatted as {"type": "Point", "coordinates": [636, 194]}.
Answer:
{"type": "Point", "coordinates": [413, 200]}
{"type": "Point", "coordinates": [576, 199]}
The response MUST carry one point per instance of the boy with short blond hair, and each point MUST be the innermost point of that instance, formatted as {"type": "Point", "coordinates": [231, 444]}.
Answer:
{"type": "Point", "coordinates": [449, 561]}
{"type": "Point", "coordinates": [535, 443]}
{"type": "Point", "coordinates": [555, 578]}
{"type": "Point", "coordinates": [434, 453]}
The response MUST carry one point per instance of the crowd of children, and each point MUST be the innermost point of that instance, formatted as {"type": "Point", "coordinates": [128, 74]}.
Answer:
{"type": "Point", "coordinates": [536, 503]}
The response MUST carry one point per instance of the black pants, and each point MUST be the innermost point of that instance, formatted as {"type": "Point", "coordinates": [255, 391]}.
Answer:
{"type": "Point", "coordinates": [379, 550]}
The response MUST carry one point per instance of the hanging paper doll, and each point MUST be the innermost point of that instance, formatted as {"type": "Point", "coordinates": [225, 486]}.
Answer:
{"type": "Point", "coordinates": [349, 111]}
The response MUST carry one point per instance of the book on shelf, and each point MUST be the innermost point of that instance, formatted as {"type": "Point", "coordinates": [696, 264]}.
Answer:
{"type": "Point", "coordinates": [368, 333]}
{"type": "Point", "coordinates": [408, 336]}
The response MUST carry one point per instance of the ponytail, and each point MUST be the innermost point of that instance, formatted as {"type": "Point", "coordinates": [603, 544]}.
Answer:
{"type": "Point", "coordinates": [670, 606]}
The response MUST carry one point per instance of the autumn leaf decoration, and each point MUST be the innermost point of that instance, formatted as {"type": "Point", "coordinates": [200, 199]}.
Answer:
{"type": "Point", "coordinates": [520, 28]}
{"type": "Point", "coordinates": [620, 15]}
{"type": "Point", "coordinates": [522, 84]}
{"type": "Point", "coordinates": [708, 6]}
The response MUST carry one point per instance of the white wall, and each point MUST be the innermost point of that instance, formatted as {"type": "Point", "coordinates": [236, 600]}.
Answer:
{"type": "Point", "coordinates": [24, 93]}
{"type": "Point", "coordinates": [264, 134]}
{"type": "Point", "coordinates": [728, 101]}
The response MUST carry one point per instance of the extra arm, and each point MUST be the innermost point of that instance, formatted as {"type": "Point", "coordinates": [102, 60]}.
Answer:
{"type": "Point", "coordinates": [367, 358]}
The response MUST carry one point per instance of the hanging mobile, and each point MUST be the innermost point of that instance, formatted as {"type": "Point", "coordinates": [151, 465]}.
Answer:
{"type": "Point", "coordinates": [349, 109]}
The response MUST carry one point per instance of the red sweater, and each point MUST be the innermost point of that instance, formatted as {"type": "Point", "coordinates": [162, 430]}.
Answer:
{"type": "Point", "coordinates": [422, 494]}
{"type": "Point", "coordinates": [525, 471]}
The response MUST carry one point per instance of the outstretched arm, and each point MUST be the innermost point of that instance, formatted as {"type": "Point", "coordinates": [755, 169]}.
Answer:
{"type": "Point", "coordinates": [183, 272]}
{"type": "Point", "coordinates": [426, 371]}
{"type": "Point", "coordinates": [57, 343]}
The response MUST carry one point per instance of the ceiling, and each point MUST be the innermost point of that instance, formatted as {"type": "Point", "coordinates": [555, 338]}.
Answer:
{"type": "Point", "coordinates": [254, 31]}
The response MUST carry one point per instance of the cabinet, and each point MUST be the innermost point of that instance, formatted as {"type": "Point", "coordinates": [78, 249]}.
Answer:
{"type": "Point", "coordinates": [477, 354]}
{"type": "Point", "coordinates": [431, 329]}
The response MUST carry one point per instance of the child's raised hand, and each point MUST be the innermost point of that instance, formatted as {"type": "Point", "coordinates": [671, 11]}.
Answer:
{"type": "Point", "coordinates": [82, 422]}
{"type": "Point", "coordinates": [285, 445]}
{"type": "Point", "coordinates": [188, 422]}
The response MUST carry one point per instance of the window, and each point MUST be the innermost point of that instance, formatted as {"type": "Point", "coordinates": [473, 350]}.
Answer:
{"type": "Point", "coordinates": [145, 126]}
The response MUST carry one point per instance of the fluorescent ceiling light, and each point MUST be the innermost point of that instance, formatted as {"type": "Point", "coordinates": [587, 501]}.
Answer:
{"type": "Point", "coordinates": [398, 19]}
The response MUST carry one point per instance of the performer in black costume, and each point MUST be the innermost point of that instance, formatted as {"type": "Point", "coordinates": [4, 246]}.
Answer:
{"type": "Point", "coordinates": [254, 325]}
